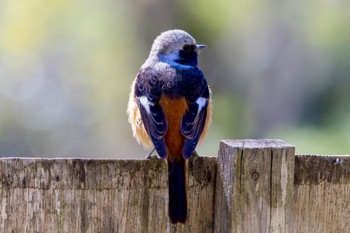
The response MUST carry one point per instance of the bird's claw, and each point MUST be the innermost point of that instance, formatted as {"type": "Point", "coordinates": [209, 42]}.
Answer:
{"type": "Point", "coordinates": [150, 156]}
{"type": "Point", "coordinates": [194, 154]}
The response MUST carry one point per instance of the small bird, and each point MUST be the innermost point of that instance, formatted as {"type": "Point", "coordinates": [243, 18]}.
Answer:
{"type": "Point", "coordinates": [170, 109]}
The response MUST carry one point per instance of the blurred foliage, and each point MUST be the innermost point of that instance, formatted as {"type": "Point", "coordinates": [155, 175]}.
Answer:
{"type": "Point", "coordinates": [277, 70]}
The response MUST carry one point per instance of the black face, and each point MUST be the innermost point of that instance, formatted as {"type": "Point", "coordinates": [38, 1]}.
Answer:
{"type": "Point", "coordinates": [188, 55]}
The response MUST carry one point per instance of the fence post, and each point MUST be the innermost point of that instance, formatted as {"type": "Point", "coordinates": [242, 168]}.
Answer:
{"type": "Point", "coordinates": [254, 186]}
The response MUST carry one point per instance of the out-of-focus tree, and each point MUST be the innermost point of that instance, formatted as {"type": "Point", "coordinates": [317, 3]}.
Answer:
{"type": "Point", "coordinates": [277, 69]}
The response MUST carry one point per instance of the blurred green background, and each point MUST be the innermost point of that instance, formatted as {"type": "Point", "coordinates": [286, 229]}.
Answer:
{"type": "Point", "coordinates": [278, 69]}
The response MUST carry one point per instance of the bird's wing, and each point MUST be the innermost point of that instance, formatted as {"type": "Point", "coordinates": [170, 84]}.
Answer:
{"type": "Point", "coordinates": [193, 121]}
{"type": "Point", "coordinates": [152, 115]}
{"type": "Point", "coordinates": [192, 124]}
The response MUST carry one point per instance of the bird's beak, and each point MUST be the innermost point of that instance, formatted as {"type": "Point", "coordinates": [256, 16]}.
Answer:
{"type": "Point", "coordinates": [201, 46]}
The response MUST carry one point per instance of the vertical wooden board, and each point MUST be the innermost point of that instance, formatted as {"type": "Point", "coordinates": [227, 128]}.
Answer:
{"type": "Point", "coordinates": [200, 194]}
{"type": "Point", "coordinates": [2, 172]}
{"type": "Point", "coordinates": [282, 178]}
{"type": "Point", "coordinates": [321, 208]}
{"type": "Point", "coordinates": [321, 200]}
{"type": "Point", "coordinates": [259, 199]}
{"type": "Point", "coordinates": [252, 192]}
{"type": "Point", "coordinates": [223, 211]}
{"type": "Point", "coordinates": [49, 210]}
{"type": "Point", "coordinates": [3, 196]}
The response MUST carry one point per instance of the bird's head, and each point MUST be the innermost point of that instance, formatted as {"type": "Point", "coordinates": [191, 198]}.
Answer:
{"type": "Point", "coordinates": [176, 46]}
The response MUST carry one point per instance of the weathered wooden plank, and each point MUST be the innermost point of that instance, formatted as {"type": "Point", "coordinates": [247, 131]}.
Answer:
{"type": "Point", "coordinates": [321, 200]}
{"type": "Point", "coordinates": [257, 189]}
{"type": "Point", "coordinates": [79, 195]}
{"type": "Point", "coordinates": [254, 186]}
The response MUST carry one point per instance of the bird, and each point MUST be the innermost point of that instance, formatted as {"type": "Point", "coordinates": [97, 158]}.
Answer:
{"type": "Point", "coordinates": [169, 109]}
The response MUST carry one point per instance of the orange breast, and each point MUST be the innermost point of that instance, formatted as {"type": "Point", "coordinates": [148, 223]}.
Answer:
{"type": "Point", "coordinates": [174, 109]}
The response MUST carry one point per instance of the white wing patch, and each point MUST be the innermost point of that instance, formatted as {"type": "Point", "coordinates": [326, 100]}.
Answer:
{"type": "Point", "coordinates": [145, 103]}
{"type": "Point", "coordinates": [201, 101]}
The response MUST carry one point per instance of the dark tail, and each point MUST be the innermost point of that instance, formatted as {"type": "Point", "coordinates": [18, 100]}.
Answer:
{"type": "Point", "coordinates": [177, 191]}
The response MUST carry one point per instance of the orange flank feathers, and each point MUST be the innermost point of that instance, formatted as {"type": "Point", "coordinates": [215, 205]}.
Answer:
{"type": "Point", "coordinates": [174, 109]}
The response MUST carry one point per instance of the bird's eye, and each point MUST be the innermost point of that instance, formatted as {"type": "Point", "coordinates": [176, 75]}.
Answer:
{"type": "Point", "coordinates": [187, 48]}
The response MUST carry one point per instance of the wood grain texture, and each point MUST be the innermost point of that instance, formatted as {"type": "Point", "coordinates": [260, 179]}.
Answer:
{"type": "Point", "coordinates": [321, 198]}
{"type": "Point", "coordinates": [78, 195]}
{"type": "Point", "coordinates": [254, 186]}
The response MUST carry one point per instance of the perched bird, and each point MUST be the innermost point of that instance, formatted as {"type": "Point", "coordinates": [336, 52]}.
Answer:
{"type": "Point", "coordinates": [170, 108]}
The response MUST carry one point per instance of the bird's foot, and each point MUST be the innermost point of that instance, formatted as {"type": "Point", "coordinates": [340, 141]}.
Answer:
{"type": "Point", "coordinates": [150, 156]}
{"type": "Point", "coordinates": [194, 154]}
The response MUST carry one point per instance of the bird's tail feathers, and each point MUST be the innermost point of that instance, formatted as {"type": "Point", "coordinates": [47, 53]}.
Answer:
{"type": "Point", "coordinates": [177, 191]}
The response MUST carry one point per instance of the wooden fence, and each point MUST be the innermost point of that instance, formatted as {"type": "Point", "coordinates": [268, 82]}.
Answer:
{"type": "Point", "coordinates": [253, 186]}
